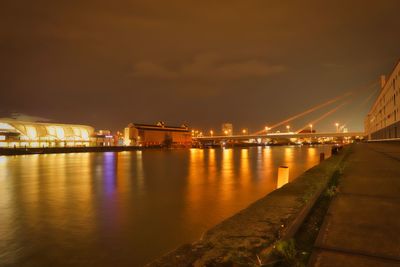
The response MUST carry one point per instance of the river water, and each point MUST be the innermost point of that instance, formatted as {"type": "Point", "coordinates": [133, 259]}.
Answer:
{"type": "Point", "coordinates": [126, 208]}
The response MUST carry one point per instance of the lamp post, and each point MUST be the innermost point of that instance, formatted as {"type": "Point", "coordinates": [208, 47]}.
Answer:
{"type": "Point", "coordinates": [211, 132]}
{"type": "Point", "coordinates": [337, 127]}
{"type": "Point", "coordinates": [244, 131]}
{"type": "Point", "coordinates": [288, 127]}
{"type": "Point", "coordinates": [311, 128]}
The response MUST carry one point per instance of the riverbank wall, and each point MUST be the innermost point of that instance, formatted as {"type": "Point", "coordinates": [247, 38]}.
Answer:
{"type": "Point", "coordinates": [5, 151]}
{"type": "Point", "coordinates": [248, 237]}
{"type": "Point", "coordinates": [54, 150]}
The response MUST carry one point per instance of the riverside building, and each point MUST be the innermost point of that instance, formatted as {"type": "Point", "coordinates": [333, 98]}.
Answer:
{"type": "Point", "coordinates": [157, 135]}
{"type": "Point", "coordinates": [227, 128]}
{"type": "Point", "coordinates": [16, 133]}
{"type": "Point", "coordinates": [382, 121]}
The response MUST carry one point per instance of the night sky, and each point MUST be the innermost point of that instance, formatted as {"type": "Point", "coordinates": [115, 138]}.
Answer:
{"type": "Point", "coordinates": [252, 63]}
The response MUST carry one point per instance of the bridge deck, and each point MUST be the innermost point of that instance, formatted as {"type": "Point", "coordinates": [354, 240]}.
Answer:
{"type": "Point", "coordinates": [278, 135]}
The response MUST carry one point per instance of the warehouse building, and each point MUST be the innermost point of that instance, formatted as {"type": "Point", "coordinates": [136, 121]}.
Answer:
{"type": "Point", "coordinates": [382, 121]}
{"type": "Point", "coordinates": [157, 135]}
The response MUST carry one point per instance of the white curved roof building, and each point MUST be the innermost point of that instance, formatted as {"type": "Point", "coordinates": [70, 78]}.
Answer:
{"type": "Point", "coordinates": [15, 133]}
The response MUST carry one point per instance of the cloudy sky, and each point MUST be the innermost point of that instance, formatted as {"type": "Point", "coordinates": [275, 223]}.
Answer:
{"type": "Point", "coordinates": [252, 63]}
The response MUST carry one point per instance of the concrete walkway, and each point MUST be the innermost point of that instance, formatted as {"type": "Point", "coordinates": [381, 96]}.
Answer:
{"type": "Point", "coordinates": [362, 226]}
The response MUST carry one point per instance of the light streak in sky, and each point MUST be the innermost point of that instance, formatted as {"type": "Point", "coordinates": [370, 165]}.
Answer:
{"type": "Point", "coordinates": [314, 122]}
{"type": "Point", "coordinates": [317, 107]}
{"type": "Point", "coordinates": [331, 101]}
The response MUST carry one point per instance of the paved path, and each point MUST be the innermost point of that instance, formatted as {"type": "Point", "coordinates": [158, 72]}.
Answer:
{"type": "Point", "coordinates": [362, 226]}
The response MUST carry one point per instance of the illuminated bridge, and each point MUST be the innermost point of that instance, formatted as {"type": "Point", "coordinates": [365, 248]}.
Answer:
{"type": "Point", "coordinates": [277, 136]}
{"type": "Point", "coordinates": [283, 131]}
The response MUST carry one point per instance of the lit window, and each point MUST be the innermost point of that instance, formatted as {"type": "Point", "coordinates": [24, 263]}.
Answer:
{"type": "Point", "coordinates": [77, 132]}
{"type": "Point", "coordinates": [31, 132]}
{"type": "Point", "coordinates": [84, 134]}
{"type": "Point", "coordinates": [60, 133]}
{"type": "Point", "coordinates": [34, 144]}
{"type": "Point", "coordinates": [5, 126]}
{"type": "Point", "coordinates": [51, 130]}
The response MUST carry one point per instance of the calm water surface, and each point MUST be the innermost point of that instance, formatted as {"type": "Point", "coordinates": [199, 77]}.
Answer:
{"type": "Point", "coordinates": [124, 209]}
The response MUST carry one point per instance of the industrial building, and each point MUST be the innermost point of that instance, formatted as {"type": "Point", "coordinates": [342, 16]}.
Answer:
{"type": "Point", "coordinates": [16, 133]}
{"type": "Point", "coordinates": [157, 135]}
{"type": "Point", "coordinates": [382, 121]}
{"type": "Point", "coordinates": [227, 128]}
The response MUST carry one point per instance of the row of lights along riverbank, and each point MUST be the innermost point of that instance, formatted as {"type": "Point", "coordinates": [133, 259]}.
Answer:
{"type": "Point", "coordinates": [229, 131]}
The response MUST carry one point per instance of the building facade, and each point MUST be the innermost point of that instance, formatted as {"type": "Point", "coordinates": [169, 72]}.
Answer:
{"type": "Point", "coordinates": [104, 138]}
{"type": "Point", "coordinates": [15, 133]}
{"type": "Point", "coordinates": [382, 121]}
{"type": "Point", "coordinates": [157, 135]}
{"type": "Point", "coordinates": [227, 128]}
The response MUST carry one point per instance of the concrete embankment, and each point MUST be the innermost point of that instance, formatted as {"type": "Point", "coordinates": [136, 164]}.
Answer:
{"type": "Point", "coordinates": [52, 150]}
{"type": "Point", "coordinates": [246, 238]}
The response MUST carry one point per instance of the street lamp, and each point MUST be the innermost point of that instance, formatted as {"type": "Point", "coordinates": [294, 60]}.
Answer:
{"type": "Point", "coordinates": [337, 127]}
{"type": "Point", "coordinates": [226, 132]}
{"type": "Point", "coordinates": [311, 128]}
{"type": "Point", "coordinates": [211, 132]}
{"type": "Point", "coordinates": [244, 131]}
{"type": "Point", "coordinates": [288, 127]}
